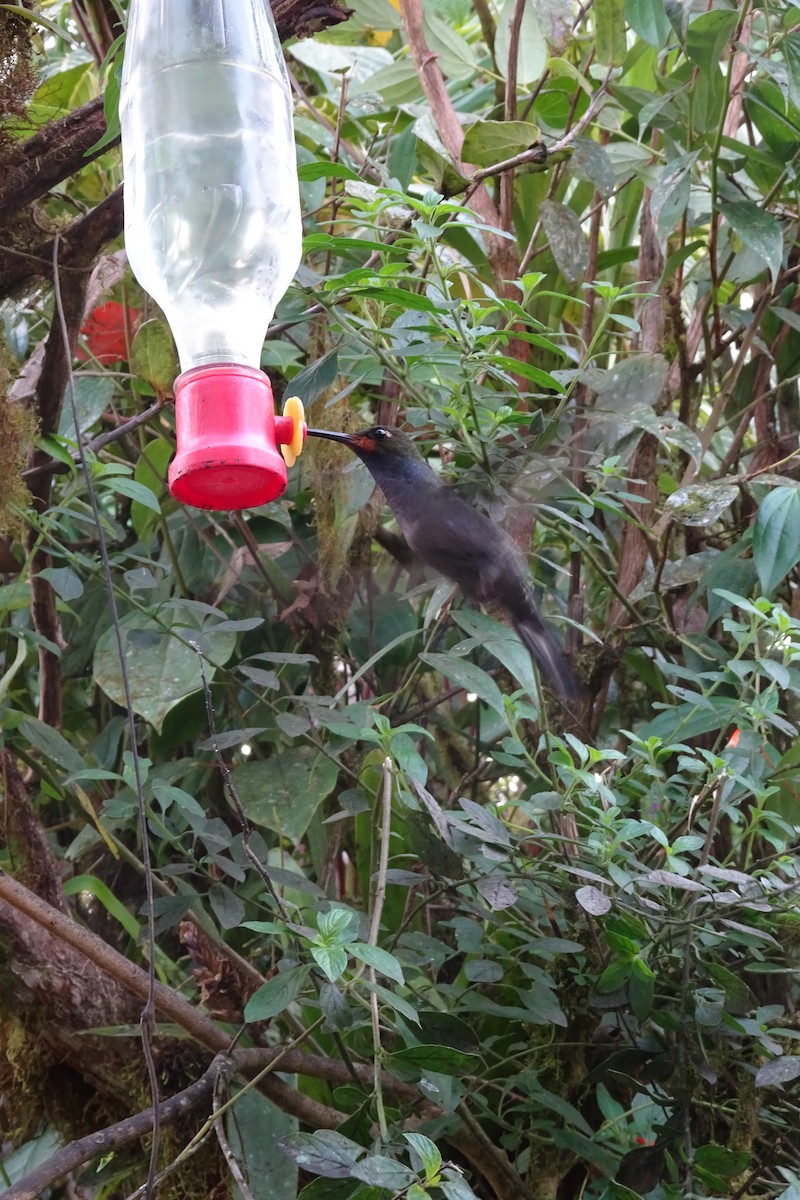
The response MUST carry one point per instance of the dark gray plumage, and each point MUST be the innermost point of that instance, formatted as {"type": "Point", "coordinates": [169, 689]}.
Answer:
{"type": "Point", "coordinates": [458, 541]}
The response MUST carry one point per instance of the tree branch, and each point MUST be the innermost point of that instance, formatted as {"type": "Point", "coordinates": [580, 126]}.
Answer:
{"type": "Point", "coordinates": [114, 1137]}
{"type": "Point", "coordinates": [168, 1003]}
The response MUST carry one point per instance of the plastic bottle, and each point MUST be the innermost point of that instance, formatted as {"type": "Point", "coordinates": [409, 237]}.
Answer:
{"type": "Point", "coordinates": [212, 225]}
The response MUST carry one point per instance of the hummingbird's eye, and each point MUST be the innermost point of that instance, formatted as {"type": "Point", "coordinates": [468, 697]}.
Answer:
{"type": "Point", "coordinates": [382, 433]}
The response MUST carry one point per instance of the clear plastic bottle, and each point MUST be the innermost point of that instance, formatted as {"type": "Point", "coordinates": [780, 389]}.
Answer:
{"type": "Point", "coordinates": [212, 225]}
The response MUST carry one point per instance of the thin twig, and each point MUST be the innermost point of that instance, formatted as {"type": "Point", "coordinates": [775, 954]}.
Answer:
{"type": "Point", "coordinates": [55, 467]}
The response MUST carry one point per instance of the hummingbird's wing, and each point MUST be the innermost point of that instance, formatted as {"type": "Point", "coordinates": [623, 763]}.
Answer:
{"type": "Point", "coordinates": [465, 546]}
{"type": "Point", "coordinates": [462, 544]}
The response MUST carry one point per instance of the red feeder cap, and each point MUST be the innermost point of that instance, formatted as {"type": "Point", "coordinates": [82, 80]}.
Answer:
{"type": "Point", "coordinates": [225, 423]}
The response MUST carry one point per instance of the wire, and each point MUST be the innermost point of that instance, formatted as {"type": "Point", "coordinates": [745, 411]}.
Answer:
{"type": "Point", "coordinates": [148, 1017]}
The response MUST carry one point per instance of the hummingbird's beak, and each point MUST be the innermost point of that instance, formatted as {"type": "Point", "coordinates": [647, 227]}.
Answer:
{"type": "Point", "coordinates": [346, 439]}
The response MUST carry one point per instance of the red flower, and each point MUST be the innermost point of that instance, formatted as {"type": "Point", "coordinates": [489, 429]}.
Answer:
{"type": "Point", "coordinates": [104, 333]}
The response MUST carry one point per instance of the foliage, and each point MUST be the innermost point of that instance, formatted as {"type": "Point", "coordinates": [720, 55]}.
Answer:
{"type": "Point", "coordinates": [551, 952]}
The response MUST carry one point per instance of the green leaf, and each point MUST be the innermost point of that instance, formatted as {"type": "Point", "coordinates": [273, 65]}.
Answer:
{"type": "Point", "coordinates": [111, 111]}
{"type": "Point", "coordinates": [789, 44]}
{"type": "Point", "coordinates": [455, 54]}
{"type": "Point", "coordinates": [641, 990]}
{"type": "Point", "coordinates": [50, 743]}
{"type": "Point", "coordinates": [227, 907]}
{"type": "Point", "coordinates": [532, 50]}
{"type": "Point", "coordinates": [255, 1127]}
{"type": "Point", "coordinates": [490, 142]}
{"type": "Point", "coordinates": [284, 791]}
{"type": "Point", "coordinates": [93, 394]}
{"type": "Point", "coordinates": [701, 503]}
{"type": "Point", "coordinates": [383, 1172]}
{"type": "Point", "coordinates": [778, 1071]}
{"type": "Point", "coordinates": [416, 1061]}
{"type": "Point", "coordinates": [309, 172]}
{"type": "Point", "coordinates": [722, 1161]}
{"type": "Point", "coordinates": [738, 997]}
{"type": "Point", "coordinates": [67, 585]}
{"type": "Point", "coordinates": [331, 959]}
{"type": "Point", "coordinates": [154, 357]}
{"type": "Point", "coordinates": [151, 472]}
{"type": "Point", "coordinates": [133, 491]}
{"type": "Point", "coordinates": [610, 40]}
{"type": "Point", "coordinates": [276, 994]}
{"type": "Point", "coordinates": [615, 976]}
{"type": "Point", "coordinates": [759, 231]}
{"type": "Point", "coordinates": [325, 1153]}
{"type": "Point", "coordinates": [337, 1189]}
{"type": "Point", "coordinates": [566, 239]}
{"type": "Point", "coordinates": [162, 667]}
{"type": "Point", "coordinates": [776, 537]}
{"type": "Point", "coordinates": [427, 1152]}
{"type": "Point", "coordinates": [707, 36]}
{"type": "Point", "coordinates": [379, 959]}
{"type": "Point", "coordinates": [467, 676]}
{"type": "Point", "coordinates": [649, 19]}
{"type": "Point", "coordinates": [436, 158]}
{"type": "Point", "coordinates": [335, 926]}
{"type": "Point", "coordinates": [313, 381]}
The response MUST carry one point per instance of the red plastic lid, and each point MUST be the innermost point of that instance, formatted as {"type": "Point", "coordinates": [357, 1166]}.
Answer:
{"type": "Point", "coordinates": [227, 457]}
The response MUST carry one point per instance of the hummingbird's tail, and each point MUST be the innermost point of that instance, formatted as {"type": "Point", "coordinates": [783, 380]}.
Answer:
{"type": "Point", "coordinates": [547, 655]}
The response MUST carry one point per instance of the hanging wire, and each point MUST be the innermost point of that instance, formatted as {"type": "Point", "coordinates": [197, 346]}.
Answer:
{"type": "Point", "coordinates": [147, 1020]}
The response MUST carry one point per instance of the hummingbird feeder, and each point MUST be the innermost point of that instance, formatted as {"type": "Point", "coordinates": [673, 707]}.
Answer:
{"type": "Point", "coordinates": [213, 231]}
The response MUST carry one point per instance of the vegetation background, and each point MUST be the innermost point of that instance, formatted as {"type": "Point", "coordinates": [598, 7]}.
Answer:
{"type": "Point", "coordinates": [319, 869]}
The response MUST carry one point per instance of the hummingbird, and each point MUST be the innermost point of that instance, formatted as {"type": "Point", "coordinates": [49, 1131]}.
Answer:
{"type": "Point", "coordinates": [459, 542]}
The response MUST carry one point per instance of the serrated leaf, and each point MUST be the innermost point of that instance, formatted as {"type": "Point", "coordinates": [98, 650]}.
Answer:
{"type": "Point", "coordinates": [776, 537]}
